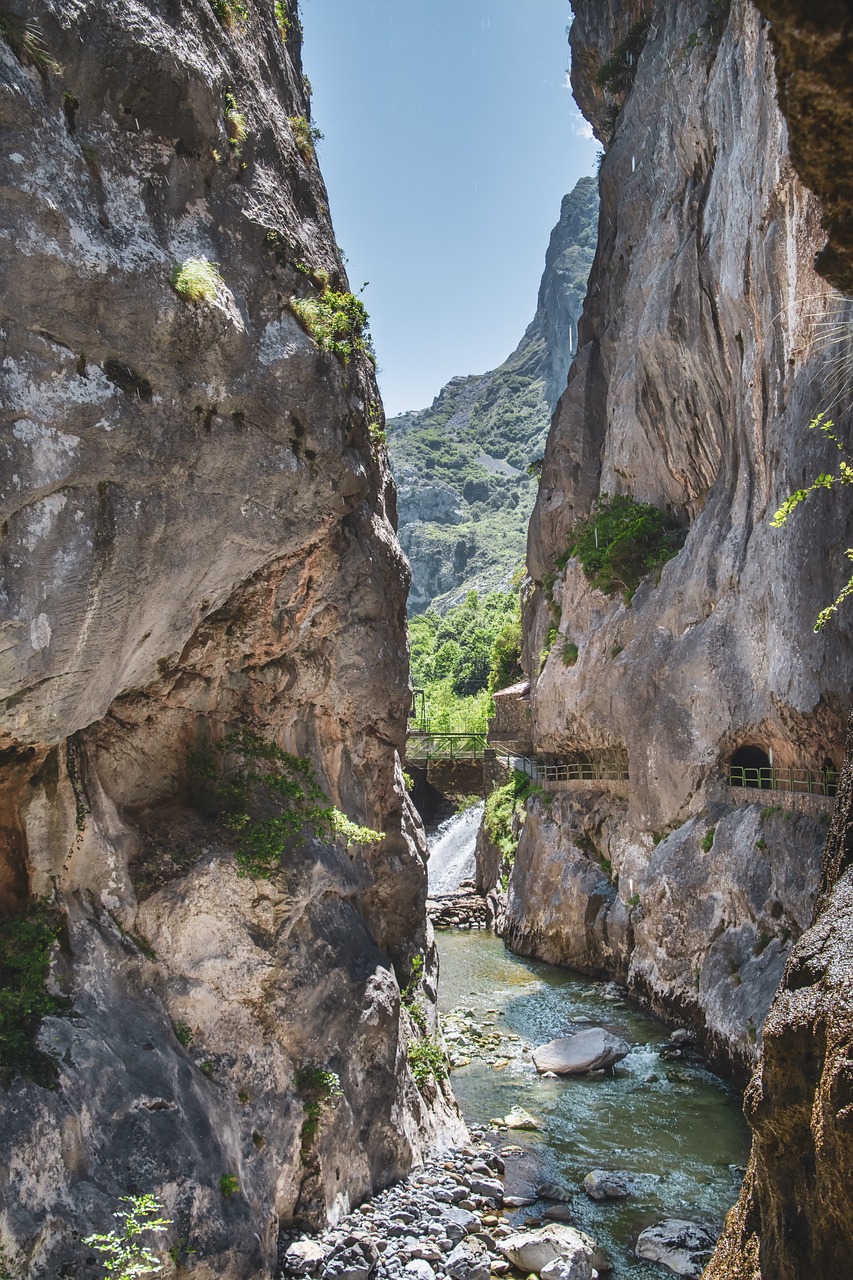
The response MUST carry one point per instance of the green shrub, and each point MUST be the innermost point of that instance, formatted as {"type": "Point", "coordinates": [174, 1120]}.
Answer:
{"type": "Point", "coordinates": [282, 19]}
{"type": "Point", "coordinates": [305, 135]}
{"type": "Point", "coordinates": [230, 12]}
{"type": "Point", "coordinates": [633, 900]}
{"type": "Point", "coordinates": [235, 123]}
{"type": "Point", "coordinates": [426, 1058]}
{"type": "Point", "coordinates": [287, 789]}
{"type": "Point", "coordinates": [707, 840]}
{"type": "Point", "coordinates": [196, 280]}
{"type": "Point", "coordinates": [621, 541]}
{"type": "Point", "coordinates": [229, 1185]}
{"type": "Point", "coordinates": [126, 1256]}
{"type": "Point", "coordinates": [410, 996]}
{"type": "Point", "coordinates": [26, 941]}
{"type": "Point", "coordinates": [336, 321]}
{"type": "Point", "coordinates": [570, 653]}
{"type": "Point", "coordinates": [183, 1033]}
{"type": "Point", "coordinates": [320, 1089]}
{"type": "Point", "coordinates": [501, 809]}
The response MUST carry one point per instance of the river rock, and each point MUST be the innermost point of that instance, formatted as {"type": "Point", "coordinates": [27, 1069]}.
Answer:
{"type": "Point", "coordinates": [682, 1247]}
{"type": "Point", "coordinates": [575, 1055]}
{"type": "Point", "coordinates": [459, 1223]}
{"type": "Point", "coordinates": [487, 1187]}
{"type": "Point", "coordinates": [518, 1118]}
{"type": "Point", "coordinates": [577, 1268]}
{"type": "Point", "coordinates": [419, 1269]}
{"type": "Point", "coordinates": [304, 1257]}
{"type": "Point", "coordinates": [602, 1184]}
{"type": "Point", "coordinates": [533, 1250]}
{"type": "Point", "coordinates": [469, 1261]}
{"type": "Point", "coordinates": [558, 1213]}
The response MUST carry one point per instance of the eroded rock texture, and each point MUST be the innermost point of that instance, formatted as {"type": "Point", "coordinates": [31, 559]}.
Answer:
{"type": "Point", "coordinates": [795, 1214]}
{"type": "Point", "coordinates": [795, 1211]}
{"type": "Point", "coordinates": [197, 533]}
{"type": "Point", "coordinates": [700, 367]}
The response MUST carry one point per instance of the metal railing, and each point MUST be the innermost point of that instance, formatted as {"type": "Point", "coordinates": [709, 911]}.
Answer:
{"type": "Point", "coordinates": [809, 782]}
{"type": "Point", "coordinates": [574, 771]}
{"type": "Point", "coordinates": [445, 746]}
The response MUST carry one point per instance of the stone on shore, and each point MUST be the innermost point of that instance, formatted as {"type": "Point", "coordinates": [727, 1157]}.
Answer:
{"type": "Point", "coordinates": [304, 1257]}
{"type": "Point", "coordinates": [469, 1261]}
{"type": "Point", "coordinates": [590, 1050]}
{"type": "Point", "coordinates": [682, 1247]}
{"type": "Point", "coordinates": [534, 1250]}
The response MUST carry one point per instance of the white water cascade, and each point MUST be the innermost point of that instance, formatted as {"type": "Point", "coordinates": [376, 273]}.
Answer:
{"type": "Point", "coordinates": [451, 851]}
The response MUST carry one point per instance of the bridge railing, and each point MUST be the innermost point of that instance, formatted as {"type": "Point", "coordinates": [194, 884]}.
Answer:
{"type": "Point", "coordinates": [445, 746]}
{"type": "Point", "coordinates": [810, 782]}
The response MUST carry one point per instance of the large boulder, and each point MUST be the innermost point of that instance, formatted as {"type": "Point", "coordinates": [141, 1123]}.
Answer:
{"type": "Point", "coordinates": [587, 1051]}
{"type": "Point", "coordinates": [682, 1247]}
{"type": "Point", "coordinates": [534, 1250]}
{"type": "Point", "coordinates": [603, 1184]}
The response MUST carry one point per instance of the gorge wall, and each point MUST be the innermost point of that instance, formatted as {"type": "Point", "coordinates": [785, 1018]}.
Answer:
{"type": "Point", "coordinates": [197, 534]}
{"type": "Point", "coordinates": [465, 494]}
{"type": "Point", "coordinates": [700, 366]}
{"type": "Point", "coordinates": [794, 1216]}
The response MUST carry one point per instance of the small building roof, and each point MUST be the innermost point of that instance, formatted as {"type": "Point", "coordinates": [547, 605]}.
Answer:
{"type": "Point", "coordinates": [514, 691]}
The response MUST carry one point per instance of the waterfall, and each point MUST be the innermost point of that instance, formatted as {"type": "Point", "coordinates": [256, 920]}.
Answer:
{"type": "Point", "coordinates": [451, 851]}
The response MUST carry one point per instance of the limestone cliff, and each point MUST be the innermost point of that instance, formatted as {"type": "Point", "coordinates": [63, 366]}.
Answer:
{"type": "Point", "coordinates": [465, 495]}
{"type": "Point", "coordinates": [698, 371]}
{"type": "Point", "coordinates": [197, 534]}
{"type": "Point", "coordinates": [795, 1214]}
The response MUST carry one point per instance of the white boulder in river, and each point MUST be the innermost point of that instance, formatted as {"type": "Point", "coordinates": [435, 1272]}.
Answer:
{"type": "Point", "coordinates": [556, 1243]}
{"type": "Point", "coordinates": [587, 1051]}
{"type": "Point", "coordinates": [682, 1247]}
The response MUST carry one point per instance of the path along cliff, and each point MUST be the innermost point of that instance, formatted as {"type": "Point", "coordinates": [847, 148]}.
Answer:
{"type": "Point", "coordinates": [197, 537]}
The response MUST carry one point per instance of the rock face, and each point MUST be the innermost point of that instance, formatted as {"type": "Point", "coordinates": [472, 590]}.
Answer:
{"type": "Point", "coordinates": [682, 1247]}
{"type": "Point", "coordinates": [461, 465]}
{"type": "Point", "coordinates": [197, 533]}
{"type": "Point", "coordinates": [698, 370]}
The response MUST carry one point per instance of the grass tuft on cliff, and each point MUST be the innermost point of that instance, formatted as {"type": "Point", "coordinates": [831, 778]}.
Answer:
{"type": "Point", "coordinates": [337, 321]}
{"type": "Point", "coordinates": [196, 280]}
{"type": "Point", "coordinates": [621, 541]}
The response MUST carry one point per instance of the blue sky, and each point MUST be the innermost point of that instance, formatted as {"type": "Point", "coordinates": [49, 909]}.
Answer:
{"type": "Point", "coordinates": [450, 139]}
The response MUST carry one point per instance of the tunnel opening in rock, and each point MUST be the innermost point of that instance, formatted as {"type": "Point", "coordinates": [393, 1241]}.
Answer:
{"type": "Point", "coordinates": [750, 766]}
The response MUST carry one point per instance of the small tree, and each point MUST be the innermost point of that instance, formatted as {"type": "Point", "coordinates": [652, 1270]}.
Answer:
{"type": "Point", "coordinates": [126, 1256]}
{"type": "Point", "coordinates": [844, 475]}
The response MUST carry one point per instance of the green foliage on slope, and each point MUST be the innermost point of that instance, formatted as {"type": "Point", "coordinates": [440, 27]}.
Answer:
{"type": "Point", "coordinates": [621, 540]}
{"type": "Point", "coordinates": [457, 659]}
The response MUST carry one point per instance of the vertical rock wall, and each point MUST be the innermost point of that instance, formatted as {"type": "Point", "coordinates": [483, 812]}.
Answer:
{"type": "Point", "coordinates": [197, 533]}
{"type": "Point", "coordinates": [795, 1214]}
{"type": "Point", "coordinates": [701, 364]}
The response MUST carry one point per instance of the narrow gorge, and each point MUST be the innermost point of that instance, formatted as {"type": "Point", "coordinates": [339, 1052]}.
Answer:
{"type": "Point", "coordinates": [221, 995]}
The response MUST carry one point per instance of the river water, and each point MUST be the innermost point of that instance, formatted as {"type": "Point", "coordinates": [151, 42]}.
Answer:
{"type": "Point", "coordinates": [673, 1125]}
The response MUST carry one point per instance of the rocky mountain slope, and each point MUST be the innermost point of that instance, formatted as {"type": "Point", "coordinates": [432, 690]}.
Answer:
{"type": "Point", "coordinates": [699, 369]}
{"type": "Point", "coordinates": [197, 536]}
{"type": "Point", "coordinates": [465, 494]}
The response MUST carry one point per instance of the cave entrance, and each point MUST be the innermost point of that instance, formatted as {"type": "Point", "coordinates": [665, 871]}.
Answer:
{"type": "Point", "coordinates": [750, 767]}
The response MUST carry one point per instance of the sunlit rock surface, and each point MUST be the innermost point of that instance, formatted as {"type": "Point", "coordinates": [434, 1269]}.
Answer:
{"type": "Point", "coordinates": [699, 369]}
{"type": "Point", "coordinates": [197, 532]}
